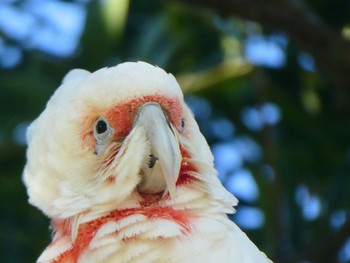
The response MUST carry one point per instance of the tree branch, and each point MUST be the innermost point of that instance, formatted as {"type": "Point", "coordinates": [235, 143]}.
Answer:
{"type": "Point", "coordinates": [329, 49]}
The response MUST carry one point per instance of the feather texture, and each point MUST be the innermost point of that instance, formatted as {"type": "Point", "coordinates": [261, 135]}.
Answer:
{"type": "Point", "coordinates": [91, 186]}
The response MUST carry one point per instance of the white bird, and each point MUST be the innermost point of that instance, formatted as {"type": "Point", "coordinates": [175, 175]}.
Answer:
{"type": "Point", "coordinates": [117, 162]}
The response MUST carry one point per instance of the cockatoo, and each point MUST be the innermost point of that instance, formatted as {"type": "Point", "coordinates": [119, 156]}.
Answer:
{"type": "Point", "coordinates": [117, 162]}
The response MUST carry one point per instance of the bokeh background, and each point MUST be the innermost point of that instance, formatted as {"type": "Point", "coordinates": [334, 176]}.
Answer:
{"type": "Point", "coordinates": [268, 82]}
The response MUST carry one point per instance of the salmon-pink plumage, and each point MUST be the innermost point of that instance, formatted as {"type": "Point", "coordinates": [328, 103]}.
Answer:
{"type": "Point", "coordinates": [117, 161]}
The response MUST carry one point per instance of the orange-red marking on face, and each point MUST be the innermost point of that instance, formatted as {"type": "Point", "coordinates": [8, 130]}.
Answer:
{"type": "Point", "coordinates": [186, 170]}
{"type": "Point", "coordinates": [122, 115]}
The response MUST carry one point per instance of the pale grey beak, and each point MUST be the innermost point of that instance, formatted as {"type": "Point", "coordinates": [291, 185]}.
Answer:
{"type": "Point", "coordinates": [165, 157]}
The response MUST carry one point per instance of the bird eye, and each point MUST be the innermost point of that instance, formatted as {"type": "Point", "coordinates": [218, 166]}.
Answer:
{"type": "Point", "coordinates": [182, 123]}
{"type": "Point", "coordinates": [101, 126]}
{"type": "Point", "coordinates": [102, 129]}
{"type": "Point", "coordinates": [103, 133]}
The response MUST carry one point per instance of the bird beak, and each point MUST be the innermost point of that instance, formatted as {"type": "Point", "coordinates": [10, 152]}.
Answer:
{"type": "Point", "coordinates": [162, 170]}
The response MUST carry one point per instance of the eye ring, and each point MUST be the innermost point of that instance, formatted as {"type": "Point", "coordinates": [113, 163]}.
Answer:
{"type": "Point", "coordinates": [103, 133]}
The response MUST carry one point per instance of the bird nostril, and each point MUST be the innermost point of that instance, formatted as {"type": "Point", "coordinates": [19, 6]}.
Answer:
{"type": "Point", "coordinates": [152, 161]}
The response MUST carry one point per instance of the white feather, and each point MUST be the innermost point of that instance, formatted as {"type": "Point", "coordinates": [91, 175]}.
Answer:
{"type": "Point", "coordinates": [67, 180]}
{"type": "Point", "coordinates": [55, 249]}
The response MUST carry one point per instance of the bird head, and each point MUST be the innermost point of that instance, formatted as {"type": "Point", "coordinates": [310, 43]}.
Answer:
{"type": "Point", "coordinates": [113, 138]}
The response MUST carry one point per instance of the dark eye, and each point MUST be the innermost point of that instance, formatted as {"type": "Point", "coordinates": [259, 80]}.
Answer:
{"type": "Point", "coordinates": [182, 123]}
{"type": "Point", "coordinates": [103, 134]}
{"type": "Point", "coordinates": [101, 126]}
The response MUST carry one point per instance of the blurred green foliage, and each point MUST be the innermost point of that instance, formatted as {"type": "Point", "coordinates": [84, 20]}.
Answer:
{"type": "Point", "coordinates": [308, 148]}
